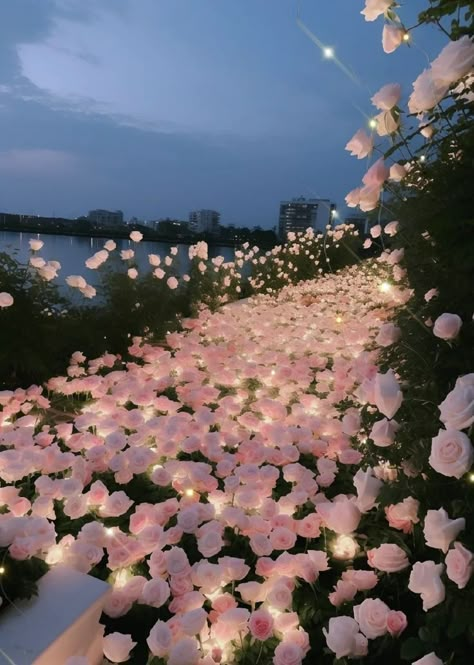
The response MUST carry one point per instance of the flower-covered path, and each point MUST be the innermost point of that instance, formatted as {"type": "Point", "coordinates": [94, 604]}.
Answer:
{"type": "Point", "coordinates": [226, 485]}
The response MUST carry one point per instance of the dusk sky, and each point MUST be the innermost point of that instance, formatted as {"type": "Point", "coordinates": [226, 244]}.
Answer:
{"type": "Point", "coordinates": [158, 107]}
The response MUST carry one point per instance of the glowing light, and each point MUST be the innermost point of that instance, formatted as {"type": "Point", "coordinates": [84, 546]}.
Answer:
{"type": "Point", "coordinates": [109, 531]}
{"type": "Point", "coordinates": [2, 570]}
{"type": "Point", "coordinates": [373, 123]}
{"type": "Point", "coordinates": [471, 477]}
{"type": "Point", "coordinates": [338, 319]}
{"type": "Point", "coordinates": [274, 612]}
{"type": "Point", "coordinates": [344, 547]}
{"type": "Point", "coordinates": [122, 577]}
{"type": "Point", "coordinates": [189, 492]}
{"type": "Point", "coordinates": [422, 158]}
{"type": "Point", "coordinates": [157, 466]}
{"type": "Point", "coordinates": [328, 52]}
{"type": "Point", "coordinates": [384, 287]}
{"type": "Point", "coordinates": [406, 37]}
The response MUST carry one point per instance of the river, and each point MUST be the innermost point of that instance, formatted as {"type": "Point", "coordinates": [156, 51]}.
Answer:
{"type": "Point", "coordinates": [72, 252]}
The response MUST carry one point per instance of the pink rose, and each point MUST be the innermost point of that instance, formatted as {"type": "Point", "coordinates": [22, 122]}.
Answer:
{"type": "Point", "coordinates": [459, 565]}
{"type": "Point", "coordinates": [160, 638]}
{"type": "Point", "coordinates": [360, 144]}
{"type": "Point", "coordinates": [376, 175]}
{"type": "Point", "coordinates": [184, 652]}
{"type": "Point", "coordinates": [396, 623]}
{"type": "Point", "coordinates": [353, 198]}
{"type": "Point", "coordinates": [391, 229]}
{"type": "Point", "coordinates": [288, 653]}
{"type": "Point", "coordinates": [136, 236]}
{"type": "Point", "coordinates": [392, 37]}
{"type": "Point", "coordinates": [261, 624]}
{"type": "Point", "coordinates": [454, 62]}
{"type": "Point", "coordinates": [375, 8]}
{"type": "Point", "coordinates": [282, 538]}
{"type": "Point", "coordinates": [447, 326]}
{"type": "Point", "coordinates": [440, 531]}
{"type": "Point", "coordinates": [403, 515]}
{"type": "Point", "coordinates": [6, 300]}
{"type": "Point", "coordinates": [343, 592]}
{"type": "Point", "coordinates": [383, 432]}
{"type": "Point", "coordinates": [371, 615]}
{"type": "Point", "coordinates": [341, 516]}
{"type": "Point", "coordinates": [172, 283]}
{"type": "Point", "coordinates": [427, 92]}
{"type": "Point", "coordinates": [452, 453]}
{"type": "Point", "coordinates": [280, 597]}
{"type": "Point", "coordinates": [363, 580]}
{"type": "Point", "coordinates": [193, 622]}
{"type": "Point", "coordinates": [369, 197]}
{"type": "Point", "coordinates": [387, 394]}
{"type": "Point", "coordinates": [344, 639]}
{"type": "Point", "coordinates": [425, 579]}
{"type": "Point", "coordinates": [155, 593]}
{"type": "Point", "coordinates": [457, 410]}
{"type": "Point", "coordinates": [388, 557]}
{"type": "Point", "coordinates": [397, 172]}
{"type": "Point", "coordinates": [387, 97]}
{"type": "Point", "coordinates": [177, 562]}
{"type": "Point", "coordinates": [389, 333]}
{"type": "Point", "coordinates": [368, 488]}
{"type": "Point", "coordinates": [117, 647]}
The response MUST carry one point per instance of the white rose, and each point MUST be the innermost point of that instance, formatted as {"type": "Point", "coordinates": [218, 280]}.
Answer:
{"type": "Point", "coordinates": [454, 61]}
{"type": "Point", "coordinates": [425, 579]}
{"type": "Point", "coordinates": [457, 410]}
{"type": "Point", "coordinates": [371, 615]}
{"type": "Point", "coordinates": [440, 531]}
{"type": "Point", "coordinates": [452, 453]}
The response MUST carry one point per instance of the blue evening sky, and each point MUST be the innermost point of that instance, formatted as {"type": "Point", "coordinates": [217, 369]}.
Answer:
{"type": "Point", "coordinates": [159, 107]}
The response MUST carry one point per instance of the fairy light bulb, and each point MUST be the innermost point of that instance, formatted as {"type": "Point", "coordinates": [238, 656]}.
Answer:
{"type": "Point", "coordinates": [328, 52]}
{"type": "Point", "coordinates": [373, 123]}
{"type": "Point", "coordinates": [471, 477]}
{"type": "Point", "coordinates": [189, 492]}
{"type": "Point", "coordinates": [384, 287]}
{"type": "Point", "coordinates": [2, 570]}
{"type": "Point", "coordinates": [344, 547]}
{"type": "Point", "coordinates": [338, 319]}
{"type": "Point", "coordinates": [109, 531]}
{"type": "Point", "coordinates": [406, 37]}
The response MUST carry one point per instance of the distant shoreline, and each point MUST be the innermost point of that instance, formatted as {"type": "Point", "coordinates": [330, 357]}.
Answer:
{"type": "Point", "coordinates": [113, 235]}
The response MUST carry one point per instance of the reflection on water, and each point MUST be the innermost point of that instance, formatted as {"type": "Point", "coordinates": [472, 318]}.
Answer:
{"type": "Point", "coordinates": [72, 252]}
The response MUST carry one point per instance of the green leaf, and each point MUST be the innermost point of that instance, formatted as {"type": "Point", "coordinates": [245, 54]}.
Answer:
{"type": "Point", "coordinates": [412, 648]}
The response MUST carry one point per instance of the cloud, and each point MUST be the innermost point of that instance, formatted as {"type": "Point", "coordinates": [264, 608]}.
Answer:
{"type": "Point", "coordinates": [155, 67]}
{"type": "Point", "coordinates": [38, 162]}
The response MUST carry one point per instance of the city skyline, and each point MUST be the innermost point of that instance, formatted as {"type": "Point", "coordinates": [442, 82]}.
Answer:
{"type": "Point", "coordinates": [119, 106]}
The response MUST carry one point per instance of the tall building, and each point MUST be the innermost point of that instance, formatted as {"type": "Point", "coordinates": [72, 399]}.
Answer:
{"type": "Point", "coordinates": [300, 214]}
{"type": "Point", "coordinates": [106, 218]}
{"type": "Point", "coordinates": [204, 221]}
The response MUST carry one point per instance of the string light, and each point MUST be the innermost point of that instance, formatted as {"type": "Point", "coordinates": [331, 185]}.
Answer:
{"type": "Point", "coordinates": [344, 547]}
{"type": "Point", "coordinates": [109, 531]}
{"type": "Point", "coordinates": [338, 319]}
{"type": "Point", "coordinates": [2, 570]}
{"type": "Point", "coordinates": [189, 492]}
{"type": "Point", "coordinates": [384, 287]}
{"type": "Point", "coordinates": [373, 123]}
{"type": "Point", "coordinates": [328, 52]}
{"type": "Point", "coordinates": [406, 37]}
{"type": "Point", "coordinates": [471, 477]}
{"type": "Point", "coordinates": [422, 158]}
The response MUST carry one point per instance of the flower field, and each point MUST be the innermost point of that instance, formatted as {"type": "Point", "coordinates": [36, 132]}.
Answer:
{"type": "Point", "coordinates": [284, 479]}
